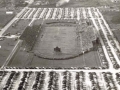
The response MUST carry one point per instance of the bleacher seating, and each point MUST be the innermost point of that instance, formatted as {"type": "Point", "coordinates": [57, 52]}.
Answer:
{"type": "Point", "coordinates": [30, 35]}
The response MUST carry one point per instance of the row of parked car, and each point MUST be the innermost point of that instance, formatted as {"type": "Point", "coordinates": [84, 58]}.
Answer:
{"type": "Point", "coordinates": [58, 13]}
{"type": "Point", "coordinates": [80, 80]}
{"type": "Point", "coordinates": [94, 81]}
{"type": "Point", "coordinates": [104, 61]}
{"type": "Point", "coordinates": [39, 81]}
{"type": "Point", "coordinates": [57, 80]}
{"type": "Point", "coordinates": [58, 68]}
{"type": "Point", "coordinates": [110, 84]}
{"type": "Point", "coordinates": [11, 77]}
{"type": "Point", "coordinates": [112, 58]}
{"type": "Point", "coordinates": [118, 78]}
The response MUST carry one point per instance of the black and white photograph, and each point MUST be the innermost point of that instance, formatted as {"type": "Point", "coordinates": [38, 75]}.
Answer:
{"type": "Point", "coordinates": [59, 44]}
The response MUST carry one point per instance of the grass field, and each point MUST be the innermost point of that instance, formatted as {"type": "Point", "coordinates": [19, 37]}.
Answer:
{"type": "Point", "coordinates": [63, 37]}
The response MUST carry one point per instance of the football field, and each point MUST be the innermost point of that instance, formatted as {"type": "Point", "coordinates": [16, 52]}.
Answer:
{"type": "Point", "coordinates": [63, 37]}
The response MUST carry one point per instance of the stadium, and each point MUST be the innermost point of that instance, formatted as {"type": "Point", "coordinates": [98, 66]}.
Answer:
{"type": "Point", "coordinates": [54, 41]}
{"type": "Point", "coordinates": [51, 42]}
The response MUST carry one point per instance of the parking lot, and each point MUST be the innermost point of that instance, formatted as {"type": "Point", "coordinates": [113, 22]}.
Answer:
{"type": "Point", "coordinates": [74, 80]}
